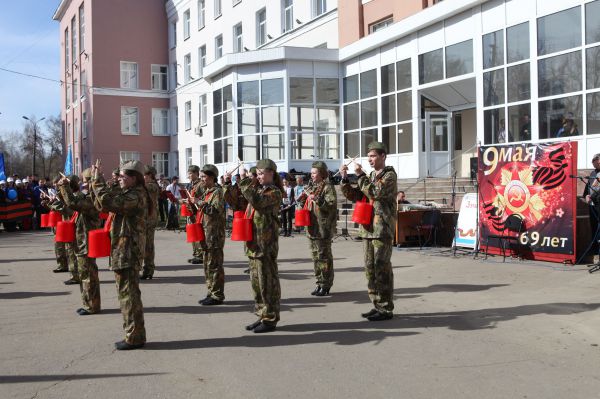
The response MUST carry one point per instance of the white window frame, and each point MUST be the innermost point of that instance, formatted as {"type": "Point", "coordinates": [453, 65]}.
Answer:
{"type": "Point", "coordinates": [201, 60]}
{"type": "Point", "coordinates": [173, 35]}
{"type": "Point", "coordinates": [174, 82]}
{"type": "Point", "coordinates": [129, 75]}
{"type": "Point", "coordinates": [131, 122]}
{"type": "Point", "coordinates": [261, 27]}
{"type": "Point", "coordinates": [379, 25]}
{"type": "Point", "coordinates": [203, 155]}
{"type": "Point", "coordinates": [67, 50]}
{"type": "Point", "coordinates": [201, 14]}
{"type": "Point", "coordinates": [174, 120]}
{"type": "Point", "coordinates": [203, 109]}
{"type": "Point", "coordinates": [187, 68]}
{"type": "Point", "coordinates": [188, 115]}
{"type": "Point", "coordinates": [160, 121]}
{"type": "Point", "coordinates": [74, 96]}
{"type": "Point", "coordinates": [236, 2]}
{"type": "Point", "coordinates": [160, 161]}
{"type": "Point", "coordinates": [189, 157]}
{"type": "Point", "coordinates": [156, 76]}
{"type": "Point", "coordinates": [84, 125]}
{"type": "Point", "coordinates": [76, 130]}
{"type": "Point", "coordinates": [218, 8]}
{"type": "Point", "coordinates": [238, 38]}
{"type": "Point", "coordinates": [81, 28]}
{"type": "Point", "coordinates": [287, 7]}
{"type": "Point", "coordinates": [187, 28]}
{"type": "Point", "coordinates": [318, 7]}
{"type": "Point", "coordinates": [74, 40]}
{"type": "Point", "coordinates": [129, 156]}
{"type": "Point", "coordinates": [218, 47]}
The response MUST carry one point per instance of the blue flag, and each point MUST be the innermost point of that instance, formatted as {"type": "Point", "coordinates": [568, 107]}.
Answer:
{"type": "Point", "coordinates": [69, 163]}
{"type": "Point", "coordinates": [2, 173]}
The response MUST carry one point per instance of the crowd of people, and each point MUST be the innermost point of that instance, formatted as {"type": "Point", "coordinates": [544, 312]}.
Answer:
{"type": "Point", "coordinates": [24, 190]}
{"type": "Point", "coordinates": [132, 195]}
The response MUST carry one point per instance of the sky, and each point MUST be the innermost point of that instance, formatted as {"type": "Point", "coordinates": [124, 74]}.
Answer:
{"type": "Point", "coordinates": [29, 43]}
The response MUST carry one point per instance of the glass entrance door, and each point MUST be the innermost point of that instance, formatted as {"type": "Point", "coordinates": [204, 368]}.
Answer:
{"type": "Point", "coordinates": [438, 143]}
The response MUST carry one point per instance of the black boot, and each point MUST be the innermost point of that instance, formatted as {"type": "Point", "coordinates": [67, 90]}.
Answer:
{"type": "Point", "coordinates": [252, 326]}
{"type": "Point", "coordinates": [124, 346]}
{"type": "Point", "coordinates": [264, 328]}
{"type": "Point", "coordinates": [369, 313]}
{"type": "Point", "coordinates": [380, 316]}
{"type": "Point", "coordinates": [323, 292]}
{"type": "Point", "coordinates": [316, 290]}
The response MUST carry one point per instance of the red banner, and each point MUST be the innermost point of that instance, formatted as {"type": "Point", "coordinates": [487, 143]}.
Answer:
{"type": "Point", "coordinates": [532, 181]}
{"type": "Point", "coordinates": [12, 211]}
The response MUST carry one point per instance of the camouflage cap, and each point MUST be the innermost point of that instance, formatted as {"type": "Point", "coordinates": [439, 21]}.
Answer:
{"type": "Point", "coordinates": [116, 171]}
{"type": "Point", "coordinates": [377, 145]}
{"type": "Point", "coordinates": [193, 169]}
{"type": "Point", "coordinates": [253, 170]}
{"type": "Point", "coordinates": [74, 179]}
{"type": "Point", "coordinates": [135, 166]}
{"type": "Point", "coordinates": [87, 174]}
{"type": "Point", "coordinates": [322, 166]}
{"type": "Point", "coordinates": [266, 164]}
{"type": "Point", "coordinates": [210, 170]}
{"type": "Point", "coordinates": [149, 170]}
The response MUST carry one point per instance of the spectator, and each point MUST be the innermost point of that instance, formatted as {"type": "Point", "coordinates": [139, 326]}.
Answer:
{"type": "Point", "coordinates": [288, 205]}
{"type": "Point", "coordinates": [174, 197]}
{"type": "Point", "coordinates": [163, 202]}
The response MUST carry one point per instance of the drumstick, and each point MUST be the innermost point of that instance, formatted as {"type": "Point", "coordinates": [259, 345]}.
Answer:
{"type": "Point", "coordinates": [240, 163]}
{"type": "Point", "coordinates": [60, 173]}
{"type": "Point", "coordinates": [351, 160]}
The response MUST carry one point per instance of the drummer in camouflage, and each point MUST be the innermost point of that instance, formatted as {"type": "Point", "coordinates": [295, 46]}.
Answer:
{"type": "Point", "coordinates": [152, 222]}
{"type": "Point", "coordinates": [380, 189]}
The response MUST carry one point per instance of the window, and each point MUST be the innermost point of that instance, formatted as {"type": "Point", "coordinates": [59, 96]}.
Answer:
{"type": "Point", "coordinates": [74, 95]}
{"type": "Point", "coordinates": [203, 155]}
{"type": "Point", "coordinates": [559, 31]}
{"type": "Point", "coordinates": [186, 24]}
{"type": "Point", "coordinates": [318, 7]}
{"type": "Point", "coordinates": [201, 14]}
{"type": "Point", "coordinates": [560, 74]}
{"type": "Point", "coordinates": [173, 34]}
{"type": "Point", "coordinates": [201, 60]}
{"type": "Point", "coordinates": [67, 53]}
{"type": "Point", "coordinates": [159, 77]}
{"type": "Point", "coordinates": [261, 27]}
{"type": "Point", "coordinates": [76, 130]}
{"type": "Point", "coordinates": [84, 85]}
{"type": "Point", "coordinates": [129, 75]}
{"type": "Point", "coordinates": [217, 8]}
{"type": "Point", "coordinates": [403, 74]}
{"type": "Point", "coordinates": [238, 45]}
{"type": "Point", "coordinates": [493, 87]}
{"type": "Point", "coordinates": [592, 22]}
{"type": "Point", "coordinates": [593, 67]}
{"type": "Point", "coordinates": [381, 24]}
{"type": "Point", "coordinates": [493, 49]}
{"type": "Point", "coordinates": [84, 125]}
{"type": "Point", "coordinates": [160, 161]}
{"type": "Point", "coordinates": [68, 95]}
{"type": "Point", "coordinates": [125, 156]}
{"type": "Point", "coordinates": [388, 79]}
{"type": "Point", "coordinates": [218, 47]}
{"type": "Point", "coordinates": [81, 29]}
{"type": "Point", "coordinates": [187, 68]}
{"type": "Point", "coordinates": [517, 81]}
{"type": "Point", "coordinates": [188, 115]}
{"type": "Point", "coordinates": [174, 82]}
{"type": "Point", "coordinates": [74, 41]}
{"type": "Point", "coordinates": [561, 117]}
{"type": "Point", "coordinates": [350, 88]}
{"type": "Point", "coordinates": [517, 43]}
{"type": "Point", "coordinates": [203, 109]}
{"type": "Point", "coordinates": [223, 124]}
{"type": "Point", "coordinates": [175, 118]}
{"type": "Point", "coordinates": [69, 133]}
{"type": "Point", "coordinates": [129, 120]}
{"type": "Point", "coordinates": [459, 59]}
{"type": "Point", "coordinates": [287, 15]}
{"type": "Point", "coordinates": [160, 121]}
{"type": "Point", "coordinates": [431, 66]}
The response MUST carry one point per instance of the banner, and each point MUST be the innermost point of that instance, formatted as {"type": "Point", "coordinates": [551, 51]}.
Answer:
{"type": "Point", "coordinates": [466, 226]}
{"type": "Point", "coordinates": [531, 180]}
{"type": "Point", "coordinates": [69, 162]}
{"type": "Point", "coordinates": [14, 211]}
{"type": "Point", "coordinates": [2, 171]}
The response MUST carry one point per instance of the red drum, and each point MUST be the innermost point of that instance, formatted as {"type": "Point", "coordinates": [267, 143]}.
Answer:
{"type": "Point", "coordinates": [194, 232]}
{"type": "Point", "coordinates": [302, 217]}
{"type": "Point", "coordinates": [98, 243]}
{"type": "Point", "coordinates": [363, 212]}
{"type": "Point", "coordinates": [241, 229]}
{"type": "Point", "coordinates": [65, 231]}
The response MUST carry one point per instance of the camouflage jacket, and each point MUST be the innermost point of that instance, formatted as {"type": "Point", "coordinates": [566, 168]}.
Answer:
{"type": "Point", "coordinates": [323, 210]}
{"type": "Point", "coordinates": [212, 211]}
{"type": "Point", "coordinates": [114, 186]}
{"type": "Point", "coordinates": [154, 191]}
{"type": "Point", "coordinates": [381, 190]}
{"type": "Point", "coordinates": [58, 205]}
{"type": "Point", "coordinates": [197, 191]}
{"type": "Point", "coordinates": [233, 196]}
{"type": "Point", "coordinates": [128, 230]}
{"type": "Point", "coordinates": [264, 201]}
{"type": "Point", "coordinates": [87, 216]}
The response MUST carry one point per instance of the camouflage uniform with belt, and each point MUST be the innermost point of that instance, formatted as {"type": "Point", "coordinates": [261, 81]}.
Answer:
{"type": "Point", "coordinates": [65, 251]}
{"type": "Point", "coordinates": [381, 190]}
{"type": "Point", "coordinates": [212, 214]}
{"type": "Point", "coordinates": [152, 222]}
{"type": "Point", "coordinates": [128, 243]}
{"type": "Point", "coordinates": [196, 190]}
{"type": "Point", "coordinates": [264, 248]}
{"type": "Point", "coordinates": [233, 196]}
{"type": "Point", "coordinates": [87, 219]}
{"type": "Point", "coordinates": [323, 218]}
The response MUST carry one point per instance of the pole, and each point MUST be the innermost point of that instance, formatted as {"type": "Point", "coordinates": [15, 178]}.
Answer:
{"type": "Point", "coordinates": [34, 145]}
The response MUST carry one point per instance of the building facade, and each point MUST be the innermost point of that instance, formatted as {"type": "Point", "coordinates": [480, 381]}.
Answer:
{"type": "Point", "coordinates": [114, 65]}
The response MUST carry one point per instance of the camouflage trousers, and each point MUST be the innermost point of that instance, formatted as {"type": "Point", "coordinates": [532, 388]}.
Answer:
{"type": "Point", "coordinates": [380, 276]}
{"type": "Point", "coordinates": [264, 278]}
{"type": "Point", "coordinates": [197, 250]}
{"type": "Point", "coordinates": [89, 283]}
{"type": "Point", "coordinates": [323, 261]}
{"type": "Point", "coordinates": [65, 258]}
{"type": "Point", "coordinates": [214, 273]}
{"type": "Point", "coordinates": [130, 301]}
{"type": "Point", "coordinates": [149, 254]}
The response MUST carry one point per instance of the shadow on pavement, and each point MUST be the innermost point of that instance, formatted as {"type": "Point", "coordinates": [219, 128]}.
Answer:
{"type": "Point", "coordinates": [20, 379]}
{"type": "Point", "coordinates": [25, 294]}
{"type": "Point", "coordinates": [461, 321]}
{"type": "Point", "coordinates": [26, 260]}
{"type": "Point", "coordinates": [350, 337]}
{"type": "Point", "coordinates": [226, 307]}
{"type": "Point", "coordinates": [448, 288]}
